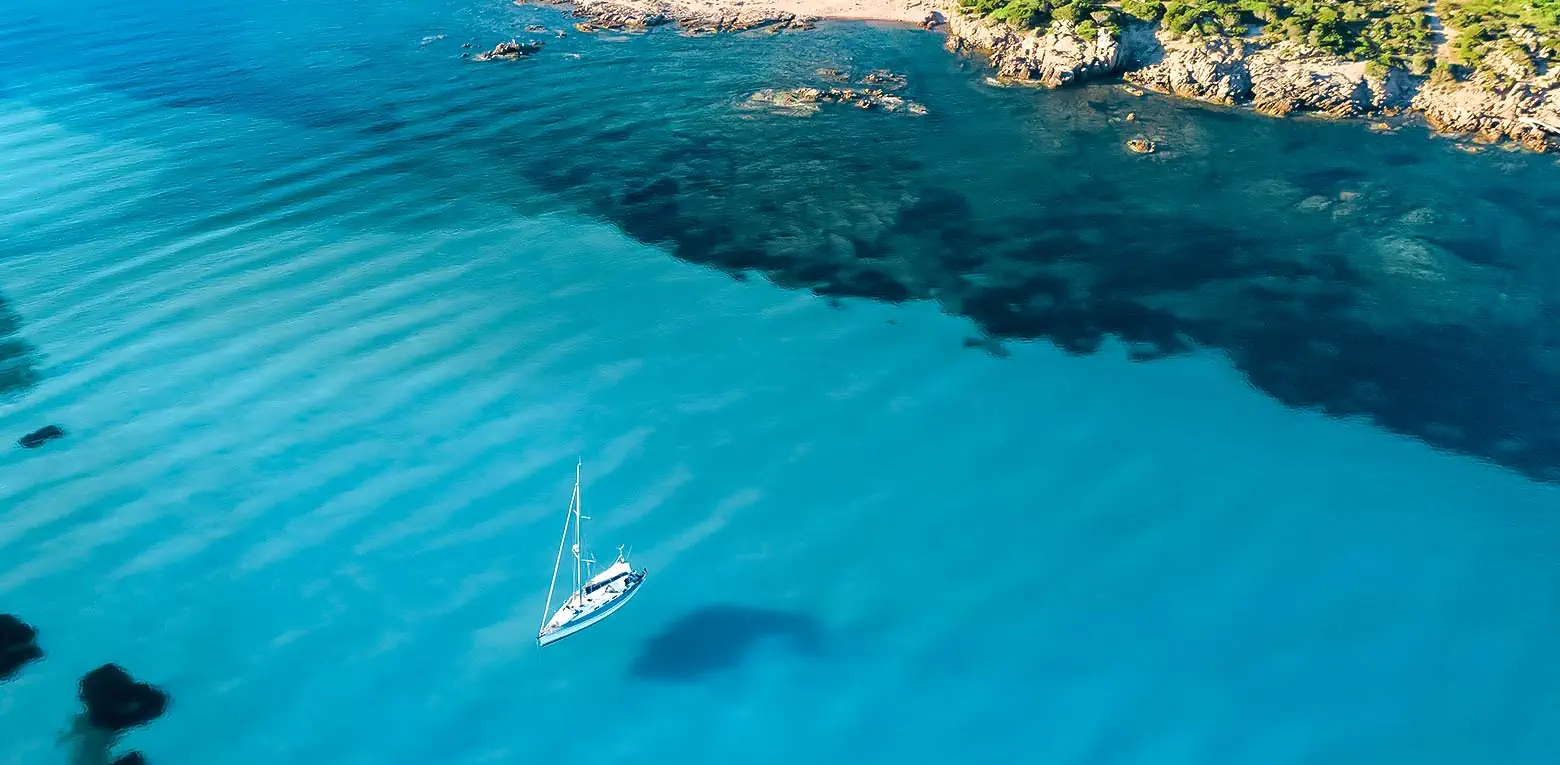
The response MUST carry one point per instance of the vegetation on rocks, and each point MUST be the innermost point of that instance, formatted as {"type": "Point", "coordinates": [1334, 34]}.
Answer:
{"type": "Point", "coordinates": [1510, 37]}
{"type": "Point", "coordinates": [1388, 32]}
{"type": "Point", "coordinates": [1522, 34]}
{"type": "Point", "coordinates": [1087, 17]}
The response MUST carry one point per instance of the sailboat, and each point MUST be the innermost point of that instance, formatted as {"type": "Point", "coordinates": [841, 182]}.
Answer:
{"type": "Point", "coordinates": [594, 596]}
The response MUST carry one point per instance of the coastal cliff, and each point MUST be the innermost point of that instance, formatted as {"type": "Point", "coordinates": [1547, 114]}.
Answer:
{"type": "Point", "coordinates": [1275, 78]}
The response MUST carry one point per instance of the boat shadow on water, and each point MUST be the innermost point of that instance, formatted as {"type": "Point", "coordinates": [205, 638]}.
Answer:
{"type": "Point", "coordinates": [717, 638]}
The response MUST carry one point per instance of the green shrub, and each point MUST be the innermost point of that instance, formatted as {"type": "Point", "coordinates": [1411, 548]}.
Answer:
{"type": "Point", "coordinates": [1147, 10]}
{"type": "Point", "coordinates": [1073, 12]}
{"type": "Point", "coordinates": [1390, 33]}
{"type": "Point", "coordinates": [1442, 74]}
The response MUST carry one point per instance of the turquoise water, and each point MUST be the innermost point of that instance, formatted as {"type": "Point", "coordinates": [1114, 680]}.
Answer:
{"type": "Point", "coordinates": [330, 312]}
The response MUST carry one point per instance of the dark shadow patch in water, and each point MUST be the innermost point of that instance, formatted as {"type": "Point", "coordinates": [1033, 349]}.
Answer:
{"type": "Point", "coordinates": [718, 638]}
{"type": "Point", "coordinates": [1328, 180]}
{"type": "Point", "coordinates": [18, 646]}
{"type": "Point", "coordinates": [17, 357]}
{"type": "Point", "coordinates": [1401, 159]}
{"type": "Point", "coordinates": [1343, 326]}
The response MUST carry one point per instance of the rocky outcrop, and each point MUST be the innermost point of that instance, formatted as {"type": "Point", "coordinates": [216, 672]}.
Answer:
{"type": "Point", "coordinates": [116, 702]}
{"type": "Point", "coordinates": [112, 702]}
{"type": "Point", "coordinates": [41, 436]}
{"type": "Point", "coordinates": [803, 101]}
{"type": "Point", "coordinates": [807, 100]}
{"type": "Point", "coordinates": [692, 18]}
{"type": "Point", "coordinates": [509, 51]}
{"type": "Point", "coordinates": [1509, 101]}
{"type": "Point", "coordinates": [1490, 111]}
{"type": "Point", "coordinates": [1053, 58]}
{"type": "Point", "coordinates": [1205, 70]}
{"type": "Point", "coordinates": [1288, 78]}
{"type": "Point", "coordinates": [18, 646]}
{"type": "Point", "coordinates": [884, 79]}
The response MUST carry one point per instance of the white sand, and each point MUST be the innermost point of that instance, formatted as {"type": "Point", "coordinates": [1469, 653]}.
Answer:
{"type": "Point", "coordinates": [912, 11]}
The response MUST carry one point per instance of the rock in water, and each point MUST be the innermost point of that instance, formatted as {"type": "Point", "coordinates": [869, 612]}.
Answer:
{"type": "Point", "coordinates": [116, 702]}
{"type": "Point", "coordinates": [885, 78]}
{"type": "Point", "coordinates": [802, 101]}
{"type": "Point", "coordinates": [18, 646]}
{"type": "Point", "coordinates": [1140, 146]}
{"type": "Point", "coordinates": [510, 51]}
{"type": "Point", "coordinates": [131, 758]}
{"type": "Point", "coordinates": [41, 436]}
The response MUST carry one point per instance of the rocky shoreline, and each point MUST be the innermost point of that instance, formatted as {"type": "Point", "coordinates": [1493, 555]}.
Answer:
{"type": "Point", "coordinates": [692, 20]}
{"type": "Point", "coordinates": [1278, 80]}
{"type": "Point", "coordinates": [1275, 79]}
{"type": "Point", "coordinates": [874, 94]}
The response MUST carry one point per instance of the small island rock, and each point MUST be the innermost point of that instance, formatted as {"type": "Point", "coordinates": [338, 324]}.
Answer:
{"type": "Point", "coordinates": [18, 646]}
{"type": "Point", "coordinates": [509, 51]}
{"type": "Point", "coordinates": [41, 436]}
{"type": "Point", "coordinates": [1140, 146]}
{"type": "Point", "coordinates": [806, 100]}
{"type": "Point", "coordinates": [116, 702]}
{"type": "Point", "coordinates": [884, 78]}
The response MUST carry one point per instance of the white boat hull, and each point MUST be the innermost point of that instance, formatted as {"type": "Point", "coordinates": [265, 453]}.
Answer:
{"type": "Point", "coordinates": [569, 628]}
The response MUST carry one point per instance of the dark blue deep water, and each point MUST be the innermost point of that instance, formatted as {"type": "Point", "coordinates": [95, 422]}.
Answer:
{"type": "Point", "coordinates": [959, 438]}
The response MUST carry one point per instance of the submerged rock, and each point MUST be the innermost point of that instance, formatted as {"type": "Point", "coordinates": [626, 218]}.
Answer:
{"type": "Point", "coordinates": [806, 100]}
{"type": "Point", "coordinates": [510, 51]}
{"type": "Point", "coordinates": [694, 20]}
{"type": "Point", "coordinates": [884, 78]}
{"type": "Point", "coordinates": [18, 646]}
{"type": "Point", "coordinates": [41, 436]}
{"type": "Point", "coordinates": [116, 702]}
{"type": "Point", "coordinates": [130, 758]}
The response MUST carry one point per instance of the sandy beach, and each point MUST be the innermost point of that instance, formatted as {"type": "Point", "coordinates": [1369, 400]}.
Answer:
{"type": "Point", "coordinates": [911, 11]}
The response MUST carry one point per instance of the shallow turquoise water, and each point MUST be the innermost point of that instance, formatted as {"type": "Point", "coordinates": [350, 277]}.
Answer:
{"type": "Point", "coordinates": [329, 313]}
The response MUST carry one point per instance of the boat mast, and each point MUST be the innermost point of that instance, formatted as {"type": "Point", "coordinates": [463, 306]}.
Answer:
{"type": "Point", "coordinates": [558, 562]}
{"type": "Point", "coordinates": [579, 582]}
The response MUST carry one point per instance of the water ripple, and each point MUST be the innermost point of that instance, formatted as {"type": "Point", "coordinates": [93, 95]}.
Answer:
{"type": "Point", "coordinates": [329, 315]}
